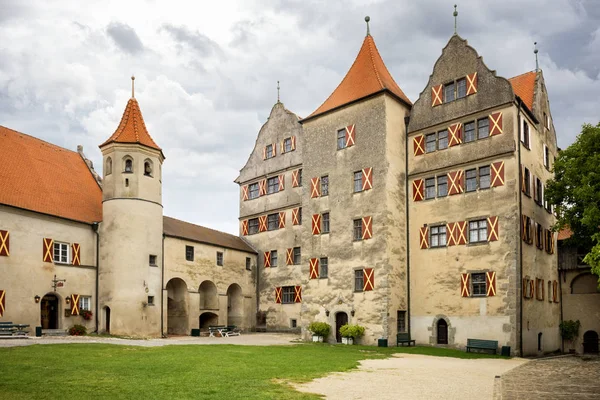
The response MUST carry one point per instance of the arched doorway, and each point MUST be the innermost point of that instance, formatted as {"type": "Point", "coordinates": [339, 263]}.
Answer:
{"type": "Point", "coordinates": [590, 342]}
{"type": "Point", "coordinates": [50, 311]}
{"type": "Point", "coordinates": [107, 319]}
{"type": "Point", "coordinates": [442, 332]}
{"type": "Point", "coordinates": [540, 341]}
{"type": "Point", "coordinates": [209, 300]}
{"type": "Point", "coordinates": [208, 319]}
{"type": "Point", "coordinates": [235, 305]}
{"type": "Point", "coordinates": [341, 319]}
{"type": "Point", "coordinates": [177, 312]}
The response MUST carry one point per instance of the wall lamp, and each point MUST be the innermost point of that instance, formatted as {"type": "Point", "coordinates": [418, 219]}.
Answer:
{"type": "Point", "coordinates": [37, 298]}
{"type": "Point", "coordinates": [327, 312]}
{"type": "Point", "coordinates": [68, 299]}
{"type": "Point", "coordinates": [352, 312]}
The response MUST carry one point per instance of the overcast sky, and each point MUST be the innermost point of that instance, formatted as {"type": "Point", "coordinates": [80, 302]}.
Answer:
{"type": "Point", "coordinates": [206, 71]}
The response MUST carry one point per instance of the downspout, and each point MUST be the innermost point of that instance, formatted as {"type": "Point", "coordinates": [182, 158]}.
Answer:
{"type": "Point", "coordinates": [560, 298]}
{"type": "Point", "coordinates": [257, 295]}
{"type": "Point", "coordinates": [407, 230]}
{"type": "Point", "coordinates": [520, 275]}
{"type": "Point", "coordinates": [162, 292]}
{"type": "Point", "coordinates": [97, 308]}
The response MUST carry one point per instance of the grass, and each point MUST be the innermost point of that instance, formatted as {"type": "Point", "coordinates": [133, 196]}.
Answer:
{"type": "Point", "coordinates": [130, 372]}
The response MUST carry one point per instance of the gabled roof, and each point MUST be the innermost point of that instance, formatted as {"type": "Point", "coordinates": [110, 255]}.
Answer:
{"type": "Point", "coordinates": [367, 75]}
{"type": "Point", "coordinates": [524, 86]}
{"type": "Point", "coordinates": [196, 233]}
{"type": "Point", "coordinates": [39, 176]}
{"type": "Point", "coordinates": [564, 234]}
{"type": "Point", "coordinates": [132, 128]}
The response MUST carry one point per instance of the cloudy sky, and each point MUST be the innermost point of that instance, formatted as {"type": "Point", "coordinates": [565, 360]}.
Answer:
{"type": "Point", "coordinates": [206, 71]}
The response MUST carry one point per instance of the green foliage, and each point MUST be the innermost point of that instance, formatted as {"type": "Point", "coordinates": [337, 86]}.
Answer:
{"type": "Point", "coordinates": [575, 192]}
{"type": "Point", "coordinates": [320, 329]}
{"type": "Point", "coordinates": [569, 330]}
{"type": "Point", "coordinates": [77, 330]}
{"type": "Point", "coordinates": [352, 331]}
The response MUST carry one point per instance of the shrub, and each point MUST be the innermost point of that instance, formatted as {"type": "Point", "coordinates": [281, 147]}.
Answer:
{"type": "Point", "coordinates": [319, 329]}
{"type": "Point", "coordinates": [352, 331]}
{"type": "Point", "coordinates": [569, 330]}
{"type": "Point", "coordinates": [77, 330]}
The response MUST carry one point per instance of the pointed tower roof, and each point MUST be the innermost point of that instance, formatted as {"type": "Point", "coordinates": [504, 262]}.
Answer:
{"type": "Point", "coordinates": [367, 75]}
{"type": "Point", "coordinates": [524, 86]}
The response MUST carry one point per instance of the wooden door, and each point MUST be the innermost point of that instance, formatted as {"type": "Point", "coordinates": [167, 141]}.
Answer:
{"type": "Point", "coordinates": [442, 332]}
{"type": "Point", "coordinates": [49, 312]}
{"type": "Point", "coordinates": [341, 319]}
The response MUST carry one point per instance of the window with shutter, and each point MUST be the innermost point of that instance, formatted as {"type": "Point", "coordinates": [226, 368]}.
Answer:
{"type": "Point", "coordinates": [2, 302]}
{"type": "Point", "coordinates": [4, 243]}
{"type": "Point", "coordinates": [495, 123]}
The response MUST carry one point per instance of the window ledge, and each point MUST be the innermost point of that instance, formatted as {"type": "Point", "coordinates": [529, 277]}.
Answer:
{"type": "Point", "coordinates": [480, 243]}
{"type": "Point", "coordinates": [153, 265]}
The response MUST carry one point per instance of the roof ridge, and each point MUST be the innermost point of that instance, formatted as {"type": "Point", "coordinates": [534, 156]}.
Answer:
{"type": "Point", "coordinates": [38, 139]}
{"type": "Point", "coordinates": [370, 43]}
{"type": "Point", "coordinates": [201, 226]}
{"type": "Point", "coordinates": [524, 73]}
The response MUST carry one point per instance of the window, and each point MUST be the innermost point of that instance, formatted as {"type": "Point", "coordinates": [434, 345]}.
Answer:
{"type": "Point", "coordinates": [478, 231]}
{"type": "Point", "coordinates": [483, 128]}
{"type": "Point", "coordinates": [546, 157]}
{"type": "Point", "coordinates": [341, 139]}
{"type": "Point", "coordinates": [253, 191]}
{"type": "Point", "coordinates": [479, 286]}
{"type": "Point", "coordinates": [269, 151]}
{"type": "Point", "coordinates": [525, 134]}
{"type": "Point", "coordinates": [527, 178]}
{"type": "Point", "coordinates": [252, 226]}
{"type": "Point", "coordinates": [148, 168]}
{"type": "Point", "coordinates": [325, 185]}
{"type": "Point", "coordinates": [469, 135]}
{"type": "Point", "coordinates": [357, 234]}
{"type": "Point", "coordinates": [430, 143]}
{"type": "Point", "coordinates": [442, 186]}
{"type": "Point", "coordinates": [449, 92]}
{"type": "Point", "coordinates": [272, 222]}
{"type": "Point", "coordinates": [359, 280]}
{"type": "Point", "coordinates": [461, 88]}
{"type": "Point", "coordinates": [438, 236]}
{"type": "Point", "coordinates": [538, 191]}
{"type": "Point", "coordinates": [546, 121]}
{"type": "Point", "coordinates": [220, 258]}
{"type": "Point", "coordinates": [297, 256]}
{"type": "Point", "coordinates": [248, 264]}
{"type": "Point", "coordinates": [539, 233]}
{"type": "Point", "coordinates": [300, 177]}
{"type": "Point", "coordinates": [471, 180]}
{"type": "Point", "coordinates": [273, 258]}
{"type": "Point", "coordinates": [484, 177]}
{"type": "Point", "coordinates": [128, 165]}
{"type": "Point", "coordinates": [287, 293]}
{"type": "Point", "coordinates": [325, 223]}
{"type": "Point", "coordinates": [85, 303]}
{"type": "Point", "coordinates": [358, 181]}
{"type": "Point", "coordinates": [430, 188]}
{"type": "Point", "coordinates": [152, 260]}
{"type": "Point", "coordinates": [300, 215]}
{"type": "Point", "coordinates": [150, 300]}
{"type": "Point", "coordinates": [108, 169]}
{"type": "Point", "coordinates": [323, 266]}
{"type": "Point", "coordinates": [189, 253]}
{"type": "Point", "coordinates": [442, 140]}
{"type": "Point", "coordinates": [293, 323]}
{"type": "Point", "coordinates": [61, 253]}
{"type": "Point", "coordinates": [401, 321]}
{"type": "Point", "coordinates": [287, 144]}
{"type": "Point", "coordinates": [273, 185]}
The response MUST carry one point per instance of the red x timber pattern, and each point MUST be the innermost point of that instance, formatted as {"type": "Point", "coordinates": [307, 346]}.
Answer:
{"type": "Point", "coordinates": [497, 174]}
{"type": "Point", "coordinates": [47, 250]}
{"type": "Point", "coordinates": [495, 122]}
{"type": "Point", "coordinates": [278, 295]}
{"type": "Point", "coordinates": [245, 227]}
{"type": "Point", "coordinates": [281, 219]}
{"type": "Point", "coordinates": [316, 224]}
{"type": "Point", "coordinates": [424, 237]}
{"type": "Point", "coordinates": [281, 182]}
{"type": "Point", "coordinates": [436, 95]}
{"type": "Point", "coordinates": [456, 180]}
{"type": "Point", "coordinates": [2, 302]}
{"type": "Point", "coordinates": [450, 234]}
{"type": "Point", "coordinates": [298, 294]}
{"type": "Point", "coordinates": [490, 279]}
{"type": "Point", "coordinates": [369, 279]}
{"type": "Point", "coordinates": [367, 179]}
{"type": "Point", "coordinates": [419, 145]}
{"type": "Point", "coordinates": [4, 243]}
{"type": "Point", "coordinates": [295, 181]}
{"type": "Point", "coordinates": [293, 139]}
{"type": "Point", "coordinates": [418, 188]}
{"type": "Point", "coordinates": [315, 187]}
{"type": "Point", "coordinates": [289, 259]}
{"type": "Point", "coordinates": [267, 259]}
{"type": "Point", "coordinates": [367, 228]}
{"type": "Point", "coordinates": [314, 268]}
{"type": "Point", "coordinates": [245, 192]}
{"type": "Point", "coordinates": [75, 250]}
{"type": "Point", "coordinates": [350, 136]}
{"type": "Point", "coordinates": [455, 132]}
{"type": "Point", "coordinates": [262, 187]}
{"type": "Point", "coordinates": [262, 223]}
{"type": "Point", "coordinates": [460, 232]}
{"type": "Point", "coordinates": [465, 285]}
{"type": "Point", "coordinates": [472, 83]}
{"type": "Point", "coordinates": [74, 304]}
{"type": "Point", "coordinates": [492, 229]}
{"type": "Point", "coordinates": [295, 216]}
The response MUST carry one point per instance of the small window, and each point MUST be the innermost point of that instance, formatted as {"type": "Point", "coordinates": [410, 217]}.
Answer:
{"type": "Point", "coordinates": [442, 186]}
{"type": "Point", "coordinates": [287, 145]}
{"type": "Point", "coordinates": [525, 135]}
{"type": "Point", "coordinates": [297, 255]}
{"type": "Point", "coordinates": [293, 323]}
{"type": "Point", "coordinates": [108, 169]}
{"type": "Point", "coordinates": [152, 260]}
{"type": "Point", "coordinates": [273, 185]}
{"type": "Point", "coordinates": [479, 285]}
{"type": "Point", "coordinates": [273, 222]}
{"type": "Point", "coordinates": [546, 157]}
{"type": "Point", "coordinates": [357, 234]}
{"type": "Point", "coordinates": [527, 181]}
{"type": "Point", "coordinates": [546, 121]}
{"type": "Point", "coordinates": [469, 135]}
{"type": "Point", "coordinates": [430, 143]}
{"type": "Point", "coordinates": [220, 258]}
{"type": "Point", "coordinates": [300, 215]}
{"type": "Point", "coordinates": [358, 181]}
{"type": "Point", "coordinates": [287, 294]}
{"type": "Point", "coordinates": [484, 177]}
{"type": "Point", "coordinates": [359, 280]}
{"type": "Point", "coordinates": [128, 165]}
{"type": "Point", "coordinates": [430, 188]}
{"type": "Point", "coordinates": [449, 92]}
{"type": "Point", "coordinates": [252, 226]}
{"type": "Point", "coordinates": [273, 258]}
{"type": "Point", "coordinates": [323, 267]}
{"type": "Point", "coordinates": [189, 253]}
{"type": "Point", "coordinates": [253, 191]}
{"type": "Point", "coordinates": [442, 140]}
{"type": "Point", "coordinates": [341, 139]}
{"type": "Point", "coordinates": [269, 151]}
{"type": "Point", "coordinates": [539, 233]}
{"type": "Point", "coordinates": [248, 264]}
{"type": "Point", "coordinates": [300, 177]}
{"type": "Point", "coordinates": [148, 168]}
{"type": "Point", "coordinates": [478, 231]}
{"type": "Point", "coordinates": [401, 321]}
{"type": "Point", "coordinates": [471, 180]}
{"type": "Point", "coordinates": [325, 185]}
{"type": "Point", "coordinates": [126, 182]}
{"type": "Point", "coordinates": [150, 300]}
{"type": "Point", "coordinates": [61, 253]}
{"type": "Point", "coordinates": [538, 190]}
{"type": "Point", "coordinates": [437, 236]}
{"type": "Point", "coordinates": [85, 303]}
{"type": "Point", "coordinates": [483, 128]}
{"type": "Point", "coordinates": [461, 88]}
{"type": "Point", "coordinates": [325, 223]}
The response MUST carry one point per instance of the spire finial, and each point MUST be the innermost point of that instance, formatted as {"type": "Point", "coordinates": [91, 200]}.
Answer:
{"type": "Point", "coordinates": [367, 19]}
{"type": "Point", "coordinates": [535, 51]}
{"type": "Point", "coordinates": [132, 87]}
{"type": "Point", "coordinates": [455, 18]}
{"type": "Point", "coordinates": [278, 92]}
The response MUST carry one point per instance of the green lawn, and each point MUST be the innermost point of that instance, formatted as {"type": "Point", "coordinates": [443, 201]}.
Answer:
{"type": "Point", "coordinates": [82, 371]}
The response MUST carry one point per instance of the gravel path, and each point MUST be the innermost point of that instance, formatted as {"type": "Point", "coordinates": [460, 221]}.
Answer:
{"type": "Point", "coordinates": [412, 376]}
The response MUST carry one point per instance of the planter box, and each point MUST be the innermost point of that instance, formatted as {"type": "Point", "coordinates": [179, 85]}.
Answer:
{"type": "Point", "coordinates": [318, 339]}
{"type": "Point", "coordinates": [347, 340]}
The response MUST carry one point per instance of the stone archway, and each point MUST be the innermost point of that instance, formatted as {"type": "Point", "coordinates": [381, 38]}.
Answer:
{"type": "Point", "coordinates": [209, 299]}
{"type": "Point", "coordinates": [235, 305]}
{"type": "Point", "coordinates": [438, 327]}
{"type": "Point", "coordinates": [50, 306]}
{"type": "Point", "coordinates": [177, 310]}
{"type": "Point", "coordinates": [207, 319]}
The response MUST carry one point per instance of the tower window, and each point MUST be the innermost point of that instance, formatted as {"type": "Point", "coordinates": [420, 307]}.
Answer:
{"type": "Point", "coordinates": [220, 258]}
{"type": "Point", "coordinates": [189, 253]}
{"type": "Point", "coordinates": [152, 260]}
{"type": "Point", "coordinates": [128, 166]}
{"type": "Point", "coordinates": [108, 170]}
{"type": "Point", "coordinates": [150, 300]}
{"type": "Point", "coordinates": [148, 168]}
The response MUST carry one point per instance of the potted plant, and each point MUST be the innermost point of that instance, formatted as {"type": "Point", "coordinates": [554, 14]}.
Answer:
{"type": "Point", "coordinates": [351, 332]}
{"type": "Point", "coordinates": [569, 330]}
{"type": "Point", "coordinates": [86, 314]}
{"type": "Point", "coordinates": [319, 330]}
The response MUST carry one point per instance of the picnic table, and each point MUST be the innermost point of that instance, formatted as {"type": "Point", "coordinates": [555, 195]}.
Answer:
{"type": "Point", "coordinates": [223, 331]}
{"type": "Point", "coordinates": [8, 329]}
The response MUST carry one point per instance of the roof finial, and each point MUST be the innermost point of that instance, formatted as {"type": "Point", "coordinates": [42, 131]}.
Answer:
{"type": "Point", "coordinates": [455, 15]}
{"type": "Point", "coordinates": [367, 19]}
{"type": "Point", "coordinates": [535, 51]}
{"type": "Point", "coordinates": [278, 92]}
{"type": "Point", "coordinates": [132, 87]}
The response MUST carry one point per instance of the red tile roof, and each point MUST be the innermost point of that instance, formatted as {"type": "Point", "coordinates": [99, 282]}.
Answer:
{"type": "Point", "coordinates": [564, 233]}
{"type": "Point", "coordinates": [39, 176]}
{"type": "Point", "coordinates": [368, 75]}
{"type": "Point", "coordinates": [132, 128]}
{"type": "Point", "coordinates": [524, 86]}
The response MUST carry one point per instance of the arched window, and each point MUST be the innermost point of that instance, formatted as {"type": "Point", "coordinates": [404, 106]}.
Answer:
{"type": "Point", "coordinates": [148, 168]}
{"type": "Point", "coordinates": [128, 165]}
{"type": "Point", "coordinates": [108, 169]}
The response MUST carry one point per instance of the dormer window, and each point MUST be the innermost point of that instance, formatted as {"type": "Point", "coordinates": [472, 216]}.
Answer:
{"type": "Point", "coordinates": [148, 168]}
{"type": "Point", "coordinates": [108, 169]}
{"type": "Point", "coordinates": [128, 165]}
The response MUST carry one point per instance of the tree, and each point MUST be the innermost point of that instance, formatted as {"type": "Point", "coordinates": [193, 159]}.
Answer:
{"type": "Point", "coordinates": [575, 193]}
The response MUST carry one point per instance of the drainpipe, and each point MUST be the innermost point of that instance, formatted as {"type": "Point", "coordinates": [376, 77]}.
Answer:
{"type": "Point", "coordinates": [560, 298]}
{"type": "Point", "coordinates": [406, 191]}
{"type": "Point", "coordinates": [520, 275]}
{"type": "Point", "coordinates": [257, 296]}
{"type": "Point", "coordinates": [95, 229]}
{"type": "Point", "coordinates": [162, 285]}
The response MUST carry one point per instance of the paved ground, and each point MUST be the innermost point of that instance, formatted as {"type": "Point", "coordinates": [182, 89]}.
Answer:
{"type": "Point", "coordinates": [411, 376]}
{"type": "Point", "coordinates": [558, 378]}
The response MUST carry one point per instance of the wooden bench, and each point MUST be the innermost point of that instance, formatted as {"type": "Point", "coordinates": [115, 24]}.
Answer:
{"type": "Point", "coordinates": [403, 338]}
{"type": "Point", "coordinates": [223, 331]}
{"type": "Point", "coordinates": [481, 344]}
{"type": "Point", "coordinates": [8, 329]}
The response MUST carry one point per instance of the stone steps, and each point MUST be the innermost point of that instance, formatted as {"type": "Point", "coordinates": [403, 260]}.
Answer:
{"type": "Point", "coordinates": [54, 332]}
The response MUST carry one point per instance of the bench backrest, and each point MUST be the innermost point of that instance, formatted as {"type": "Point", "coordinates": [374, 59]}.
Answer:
{"type": "Point", "coordinates": [486, 344]}
{"type": "Point", "coordinates": [403, 336]}
{"type": "Point", "coordinates": [6, 323]}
